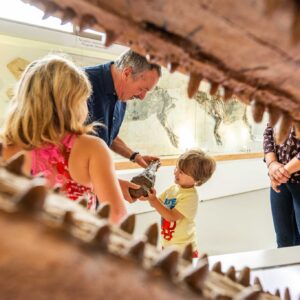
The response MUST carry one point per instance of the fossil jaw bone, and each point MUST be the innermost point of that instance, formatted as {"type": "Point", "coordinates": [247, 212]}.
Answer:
{"type": "Point", "coordinates": [86, 229]}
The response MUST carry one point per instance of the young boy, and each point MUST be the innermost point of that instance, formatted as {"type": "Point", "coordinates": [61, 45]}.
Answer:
{"type": "Point", "coordinates": [178, 204]}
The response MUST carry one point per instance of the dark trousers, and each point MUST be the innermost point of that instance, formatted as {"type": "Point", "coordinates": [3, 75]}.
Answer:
{"type": "Point", "coordinates": [286, 214]}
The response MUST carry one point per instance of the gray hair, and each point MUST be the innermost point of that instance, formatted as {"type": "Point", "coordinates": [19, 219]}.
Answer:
{"type": "Point", "coordinates": [137, 62]}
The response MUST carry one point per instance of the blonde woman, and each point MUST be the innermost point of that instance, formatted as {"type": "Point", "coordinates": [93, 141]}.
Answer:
{"type": "Point", "coordinates": [46, 119]}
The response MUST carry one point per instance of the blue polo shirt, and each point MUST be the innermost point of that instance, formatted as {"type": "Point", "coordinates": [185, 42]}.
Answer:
{"type": "Point", "coordinates": [103, 104]}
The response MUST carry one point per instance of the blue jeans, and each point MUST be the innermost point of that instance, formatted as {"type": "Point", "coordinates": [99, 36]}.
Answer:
{"type": "Point", "coordinates": [286, 214]}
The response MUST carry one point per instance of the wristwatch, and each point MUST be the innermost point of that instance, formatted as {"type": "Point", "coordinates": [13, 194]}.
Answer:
{"type": "Point", "coordinates": [133, 156]}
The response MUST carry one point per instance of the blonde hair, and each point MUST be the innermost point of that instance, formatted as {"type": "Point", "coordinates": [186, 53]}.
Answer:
{"type": "Point", "coordinates": [50, 101]}
{"type": "Point", "coordinates": [197, 164]}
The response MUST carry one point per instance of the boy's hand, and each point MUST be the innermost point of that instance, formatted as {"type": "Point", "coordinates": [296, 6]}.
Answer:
{"type": "Point", "coordinates": [152, 194]}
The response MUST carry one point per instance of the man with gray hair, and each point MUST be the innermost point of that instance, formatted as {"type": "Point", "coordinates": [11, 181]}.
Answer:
{"type": "Point", "coordinates": [114, 83]}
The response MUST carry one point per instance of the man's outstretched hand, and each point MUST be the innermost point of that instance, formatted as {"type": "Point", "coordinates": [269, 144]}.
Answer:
{"type": "Point", "coordinates": [144, 160]}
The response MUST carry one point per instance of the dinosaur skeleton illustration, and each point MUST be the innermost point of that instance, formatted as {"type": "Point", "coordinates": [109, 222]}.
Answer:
{"type": "Point", "coordinates": [159, 103]}
{"type": "Point", "coordinates": [227, 112]}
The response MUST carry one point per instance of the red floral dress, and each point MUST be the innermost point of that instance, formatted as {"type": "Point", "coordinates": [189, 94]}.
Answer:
{"type": "Point", "coordinates": [52, 162]}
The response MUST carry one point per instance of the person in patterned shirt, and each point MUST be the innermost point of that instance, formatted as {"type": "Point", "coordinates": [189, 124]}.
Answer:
{"type": "Point", "coordinates": [283, 163]}
{"type": "Point", "coordinates": [178, 204]}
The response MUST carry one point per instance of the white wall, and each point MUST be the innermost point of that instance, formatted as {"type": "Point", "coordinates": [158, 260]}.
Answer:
{"type": "Point", "coordinates": [234, 213]}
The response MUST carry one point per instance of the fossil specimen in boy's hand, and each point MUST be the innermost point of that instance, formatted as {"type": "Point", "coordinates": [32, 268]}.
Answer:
{"type": "Point", "coordinates": [146, 180]}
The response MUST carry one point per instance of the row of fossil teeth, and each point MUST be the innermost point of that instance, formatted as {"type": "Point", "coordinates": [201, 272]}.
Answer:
{"type": "Point", "coordinates": [68, 14]}
{"type": "Point", "coordinates": [31, 196]}
{"type": "Point", "coordinates": [86, 21]}
{"type": "Point", "coordinates": [281, 121]}
{"type": "Point", "coordinates": [244, 279]}
{"type": "Point", "coordinates": [277, 117]}
{"type": "Point", "coordinates": [214, 88]}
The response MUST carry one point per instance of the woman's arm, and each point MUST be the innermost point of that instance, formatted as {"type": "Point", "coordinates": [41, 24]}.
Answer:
{"type": "Point", "coordinates": [293, 165]}
{"type": "Point", "coordinates": [104, 180]}
{"type": "Point", "coordinates": [276, 171]}
{"type": "Point", "coordinates": [91, 163]}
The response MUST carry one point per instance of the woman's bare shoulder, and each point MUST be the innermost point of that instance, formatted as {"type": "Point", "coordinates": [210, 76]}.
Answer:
{"type": "Point", "coordinates": [90, 140]}
{"type": "Point", "coordinates": [89, 143]}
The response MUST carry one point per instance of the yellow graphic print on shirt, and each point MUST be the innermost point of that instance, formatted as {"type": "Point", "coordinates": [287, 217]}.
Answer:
{"type": "Point", "coordinates": [181, 232]}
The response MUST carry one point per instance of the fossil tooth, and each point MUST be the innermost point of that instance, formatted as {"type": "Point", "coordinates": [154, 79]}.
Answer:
{"type": "Point", "coordinates": [274, 114]}
{"type": "Point", "coordinates": [104, 211]}
{"type": "Point", "coordinates": [277, 293]}
{"type": "Point", "coordinates": [34, 197]}
{"type": "Point", "coordinates": [67, 16]}
{"type": "Point", "coordinates": [101, 237]}
{"type": "Point", "coordinates": [57, 189]}
{"type": "Point", "coordinates": [83, 202]}
{"type": "Point", "coordinates": [231, 273]}
{"type": "Point", "coordinates": [188, 252]}
{"type": "Point", "coordinates": [193, 85]}
{"type": "Point", "coordinates": [68, 219]}
{"type": "Point", "coordinates": [250, 293]}
{"type": "Point", "coordinates": [152, 234]}
{"type": "Point", "coordinates": [217, 267]}
{"type": "Point", "coordinates": [258, 283]}
{"type": "Point", "coordinates": [196, 277]}
{"type": "Point", "coordinates": [136, 250]}
{"type": "Point", "coordinates": [203, 256]}
{"type": "Point", "coordinates": [87, 21]}
{"type": "Point", "coordinates": [15, 164]}
{"type": "Point", "coordinates": [172, 66]}
{"type": "Point", "coordinates": [150, 58]}
{"type": "Point", "coordinates": [110, 38]}
{"type": "Point", "coordinates": [228, 93]}
{"type": "Point", "coordinates": [287, 295]}
{"type": "Point", "coordinates": [282, 128]}
{"type": "Point", "coordinates": [258, 110]}
{"type": "Point", "coordinates": [128, 224]}
{"type": "Point", "coordinates": [214, 87]}
{"type": "Point", "coordinates": [244, 277]}
{"type": "Point", "coordinates": [50, 9]}
{"type": "Point", "coordinates": [167, 262]}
